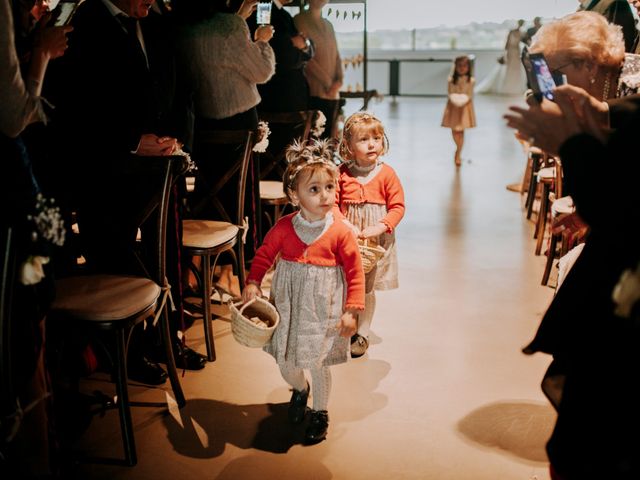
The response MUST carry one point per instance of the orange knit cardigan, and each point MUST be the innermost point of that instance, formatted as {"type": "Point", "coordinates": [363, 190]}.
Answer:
{"type": "Point", "coordinates": [384, 189]}
{"type": "Point", "coordinates": [336, 246]}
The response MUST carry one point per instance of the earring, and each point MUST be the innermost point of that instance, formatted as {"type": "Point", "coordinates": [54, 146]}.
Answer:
{"type": "Point", "coordinates": [592, 80]}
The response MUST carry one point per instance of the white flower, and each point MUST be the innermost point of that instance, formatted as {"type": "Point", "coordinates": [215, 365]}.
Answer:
{"type": "Point", "coordinates": [263, 138]}
{"type": "Point", "coordinates": [626, 292]}
{"type": "Point", "coordinates": [48, 221]}
{"type": "Point", "coordinates": [32, 271]}
{"type": "Point", "coordinates": [191, 165]}
{"type": "Point", "coordinates": [318, 127]}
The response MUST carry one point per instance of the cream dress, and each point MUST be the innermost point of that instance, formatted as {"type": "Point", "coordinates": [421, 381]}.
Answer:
{"type": "Point", "coordinates": [310, 300]}
{"type": "Point", "coordinates": [460, 117]}
{"type": "Point", "coordinates": [385, 275]}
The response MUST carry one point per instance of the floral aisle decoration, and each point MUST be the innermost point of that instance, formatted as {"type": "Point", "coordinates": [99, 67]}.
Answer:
{"type": "Point", "coordinates": [47, 227]}
{"type": "Point", "coordinates": [318, 126]}
{"type": "Point", "coordinates": [263, 137]}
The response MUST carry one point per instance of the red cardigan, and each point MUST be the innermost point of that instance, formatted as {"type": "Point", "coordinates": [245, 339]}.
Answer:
{"type": "Point", "coordinates": [383, 189]}
{"type": "Point", "coordinates": [336, 246]}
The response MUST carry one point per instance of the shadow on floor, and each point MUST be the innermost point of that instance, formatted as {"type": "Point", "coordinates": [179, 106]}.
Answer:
{"type": "Point", "coordinates": [255, 467]}
{"type": "Point", "coordinates": [518, 428]}
{"type": "Point", "coordinates": [202, 428]}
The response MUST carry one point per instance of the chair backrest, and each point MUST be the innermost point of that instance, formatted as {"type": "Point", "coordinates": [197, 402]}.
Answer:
{"type": "Point", "coordinates": [293, 125]}
{"type": "Point", "coordinates": [162, 173]}
{"type": "Point", "coordinates": [241, 143]}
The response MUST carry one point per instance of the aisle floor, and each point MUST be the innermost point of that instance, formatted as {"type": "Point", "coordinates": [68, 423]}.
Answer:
{"type": "Point", "coordinates": [443, 392]}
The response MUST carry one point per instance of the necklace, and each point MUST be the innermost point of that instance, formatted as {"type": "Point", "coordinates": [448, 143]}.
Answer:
{"type": "Point", "coordinates": [358, 169]}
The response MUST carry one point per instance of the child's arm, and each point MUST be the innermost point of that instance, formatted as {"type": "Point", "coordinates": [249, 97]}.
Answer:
{"type": "Point", "coordinates": [349, 257]}
{"type": "Point", "coordinates": [262, 261]}
{"type": "Point", "coordinates": [394, 195]}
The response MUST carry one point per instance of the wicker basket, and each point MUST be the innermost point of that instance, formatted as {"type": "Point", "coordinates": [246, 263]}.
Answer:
{"type": "Point", "coordinates": [253, 323]}
{"type": "Point", "coordinates": [371, 254]}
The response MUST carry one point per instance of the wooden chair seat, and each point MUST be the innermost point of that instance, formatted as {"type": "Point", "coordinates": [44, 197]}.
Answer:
{"type": "Point", "coordinates": [105, 298]}
{"type": "Point", "coordinates": [204, 234]}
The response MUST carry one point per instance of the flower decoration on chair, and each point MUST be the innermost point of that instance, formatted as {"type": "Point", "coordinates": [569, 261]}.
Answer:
{"type": "Point", "coordinates": [626, 293]}
{"type": "Point", "coordinates": [263, 137]}
{"type": "Point", "coordinates": [47, 228]}
{"type": "Point", "coordinates": [319, 123]}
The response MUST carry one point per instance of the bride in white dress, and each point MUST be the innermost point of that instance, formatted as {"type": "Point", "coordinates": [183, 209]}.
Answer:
{"type": "Point", "coordinates": [507, 78]}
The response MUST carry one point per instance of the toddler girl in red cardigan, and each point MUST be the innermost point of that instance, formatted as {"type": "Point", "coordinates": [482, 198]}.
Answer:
{"type": "Point", "coordinates": [370, 196]}
{"type": "Point", "coordinates": [318, 285]}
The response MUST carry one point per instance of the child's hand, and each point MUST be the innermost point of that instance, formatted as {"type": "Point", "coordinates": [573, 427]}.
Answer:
{"type": "Point", "coordinates": [348, 325]}
{"type": "Point", "coordinates": [251, 291]}
{"type": "Point", "coordinates": [373, 231]}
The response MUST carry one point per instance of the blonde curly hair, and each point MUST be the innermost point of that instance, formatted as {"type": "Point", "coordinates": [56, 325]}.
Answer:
{"type": "Point", "coordinates": [357, 123]}
{"type": "Point", "coordinates": [581, 36]}
{"type": "Point", "coordinates": [310, 157]}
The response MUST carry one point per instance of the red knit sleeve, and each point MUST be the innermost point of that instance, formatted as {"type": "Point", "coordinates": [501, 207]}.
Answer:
{"type": "Point", "coordinates": [395, 200]}
{"type": "Point", "coordinates": [349, 257]}
{"type": "Point", "coordinates": [266, 254]}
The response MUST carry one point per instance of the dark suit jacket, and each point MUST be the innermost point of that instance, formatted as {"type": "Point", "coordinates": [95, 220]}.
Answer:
{"type": "Point", "coordinates": [618, 12]}
{"type": "Point", "coordinates": [106, 92]}
{"type": "Point", "coordinates": [287, 90]}
{"type": "Point", "coordinates": [106, 98]}
{"type": "Point", "coordinates": [596, 432]}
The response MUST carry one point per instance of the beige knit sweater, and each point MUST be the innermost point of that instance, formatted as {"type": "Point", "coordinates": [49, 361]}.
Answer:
{"type": "Point", "coordinates": [224, 65]}
{"type": "Point", "coordinates": [326, 65]}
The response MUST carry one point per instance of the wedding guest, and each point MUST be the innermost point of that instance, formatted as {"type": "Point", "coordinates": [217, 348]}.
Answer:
{"type": "Point", "coordinates": [593, 345]}
{"type": "Point", "coordinates": [324, 71]}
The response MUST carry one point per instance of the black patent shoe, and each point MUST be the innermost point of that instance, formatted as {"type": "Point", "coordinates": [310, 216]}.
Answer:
{"type": "Point", "coordinates": [298, 406]}
{"type": "Point", "coordinates": [188, 358]}
{"type": "Point", "coordinates": [144, 371]}
{"type": "Point", "coordinates": [318, 426]}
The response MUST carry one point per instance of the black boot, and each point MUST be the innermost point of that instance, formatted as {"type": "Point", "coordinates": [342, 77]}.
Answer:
{"type": "Point", "coordinates": [317, 429]}
{"type": "Point", "coordinates": [298, 405]}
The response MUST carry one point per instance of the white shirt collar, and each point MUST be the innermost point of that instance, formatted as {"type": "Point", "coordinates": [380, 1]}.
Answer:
{"type": "Point", "coordinates": [115, 11]}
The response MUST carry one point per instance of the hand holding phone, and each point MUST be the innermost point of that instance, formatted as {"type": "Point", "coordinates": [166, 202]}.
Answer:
{"type": "Point", "coordinates": [263, 13]}
{"type": "Point", "coordinates": [540, 78]}
{"type": "Point", "coordinates": [63, 13]}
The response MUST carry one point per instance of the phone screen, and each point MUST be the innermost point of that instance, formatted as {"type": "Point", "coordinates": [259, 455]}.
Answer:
{"type": "Point", "coordinates": [64, 11]}
{"type": "Point", "coordinates": [263, 13]}
{"type": "Point", "coordinates": [541, 80]}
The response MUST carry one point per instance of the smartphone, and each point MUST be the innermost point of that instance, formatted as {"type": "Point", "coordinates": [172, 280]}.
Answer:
{"type": "Point", "coordinates": [63, 13]}
{"type": "Point", "coordinates": [540, 78]}
{"type": "Point", "coordinates": [263, 13]}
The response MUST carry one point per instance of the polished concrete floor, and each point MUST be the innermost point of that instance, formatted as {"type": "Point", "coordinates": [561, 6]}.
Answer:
{"type": "Point", "coordinates": [443, 392]}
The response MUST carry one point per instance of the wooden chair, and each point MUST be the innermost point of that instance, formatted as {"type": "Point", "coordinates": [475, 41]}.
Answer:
{"type": "Point", "coordinates": [209, 238]}
{"type": "Point", "coordinates": [8, 401]}
{"type": "Point", "coordinates": [549, 179]}
{"type": "Point", "coordinates": [111, 305]}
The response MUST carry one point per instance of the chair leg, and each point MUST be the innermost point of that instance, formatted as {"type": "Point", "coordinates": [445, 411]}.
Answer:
{"type": "Point", "coordinates": [542, 218]}
{"type": "Point", "coordinates": [165, 333]}
{"type": "Point", "coordinates": [206, 308]}
{"type": "Point", "coordinates": [122, 390]}
{"type": "Point", "coordinates": [551, 256]}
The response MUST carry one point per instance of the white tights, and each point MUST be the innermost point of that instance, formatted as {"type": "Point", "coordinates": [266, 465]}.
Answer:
{"type": "Point", "coordinates": [320, 381]}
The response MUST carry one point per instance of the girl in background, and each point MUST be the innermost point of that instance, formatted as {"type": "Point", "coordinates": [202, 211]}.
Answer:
{"type": "Point", "coordinates": [371, 197]}
{"type": "Point", "coordinates": [318, 285]}
{"type": "Point", "coordinates": [459, 113]}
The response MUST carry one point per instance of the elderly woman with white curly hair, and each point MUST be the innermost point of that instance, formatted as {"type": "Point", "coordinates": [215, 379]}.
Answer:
{"type": "Point", "coordinates": [590, 52]}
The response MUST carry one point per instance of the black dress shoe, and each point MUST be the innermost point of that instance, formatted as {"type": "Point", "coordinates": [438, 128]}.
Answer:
{"type": "Point", "coordinates": [188, 358]}
{"type": "Point", "coordinates": [144, 371]}
{"type": "Point", "coordinates": [185, 357]}
{"type": "Point", "coordinates": [317, 429]}
{"type": "Point", "coordinates": [298, 406]}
